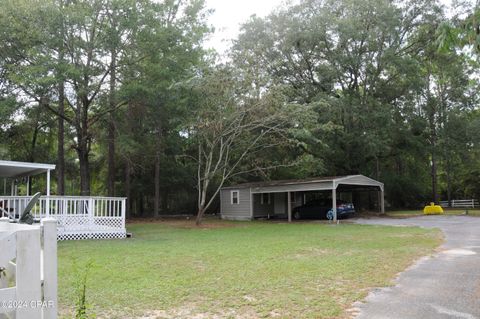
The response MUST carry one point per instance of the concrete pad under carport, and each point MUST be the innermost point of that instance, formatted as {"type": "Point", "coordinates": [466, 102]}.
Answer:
{"type": "Point", "coordinates": [274, 205]}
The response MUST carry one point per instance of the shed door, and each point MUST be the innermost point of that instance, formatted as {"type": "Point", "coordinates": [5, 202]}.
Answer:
{"type": "Point", "coordinates": [280, 203]}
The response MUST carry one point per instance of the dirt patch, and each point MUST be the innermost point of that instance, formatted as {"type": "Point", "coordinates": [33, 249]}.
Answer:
{"type": "Point", "coordinates": [312, 252]}
{"type": "Point", "coordinates": [190, 312]}
{"type": "Point", "coordinates": [185, 222]}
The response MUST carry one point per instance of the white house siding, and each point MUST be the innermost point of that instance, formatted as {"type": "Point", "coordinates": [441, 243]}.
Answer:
{"type": "Point", "coordinates": [240, 211]}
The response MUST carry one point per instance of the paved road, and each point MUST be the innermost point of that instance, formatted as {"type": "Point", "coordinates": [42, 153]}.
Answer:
{"type": "Point", "coordinates": [445, 285]}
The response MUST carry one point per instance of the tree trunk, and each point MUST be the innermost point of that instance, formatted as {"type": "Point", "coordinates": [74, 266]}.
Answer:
{"type": "Point", "coordinates": [111, 157]}
{"type": "Point", "coordinates": [432, 111]}
{"type": "Point", "coordinates": [377, 168]}
{"type": "Point", "coordinates": [83, 143]}
{"type": "Point", "coordinates": [200, 213]}
{"type": "Point", "coordinates": [84, 174]}
{"type": "Point", "coordinates": [83, 158]}
{"type": "Point", "coordinates": [128, 189]}
{"type": "Point", "coordinates": [33, 144]}
{"type": "Point", "coordinates": [164, 207]}
{"type": "Point", "coordinates": [111, 128]}
{"type": "Point", "coordinates": [60, 169]}
{"type": "Point", "coordinates": [449, 188]}
{"type": "Point", "coordinates": [156, 200]}
{"type": "Point", "coordinates": [377, 175]}
{"type": "Point", "coordinates": [433, 141]}
{"type": "Point", "coordinates": [434, 175]}
{"type": "Point", "coordinates": [202, 198]}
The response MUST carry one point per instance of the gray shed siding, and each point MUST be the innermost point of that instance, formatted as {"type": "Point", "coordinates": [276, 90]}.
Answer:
{"type": "Point", "coordinates": [240, 211]}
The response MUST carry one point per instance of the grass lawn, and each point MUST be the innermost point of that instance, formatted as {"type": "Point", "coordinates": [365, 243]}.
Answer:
{"type": "Point", "coordinates": [447, 211]}
{"type": "Point", "coordinates": [239, 269]}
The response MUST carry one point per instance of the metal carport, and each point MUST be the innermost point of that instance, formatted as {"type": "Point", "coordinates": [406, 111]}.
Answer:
{"type": "Point", "coordinates": [299, 185]}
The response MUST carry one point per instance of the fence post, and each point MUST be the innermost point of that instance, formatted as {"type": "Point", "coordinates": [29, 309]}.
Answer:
{"type": "Point", "coordinates": [124, 208]}
{"type": "Point", "coordinates": [50, 268]}
{"type": "Point", "coordinates": [3, 222]}
{"type": "Point", "coordinates": [91, 214]}
{"type": "Point", "coordinates": [28, 280]}
{"type": "Point", "coordinates": [3, 225]}
{"type": "Point", "coordinates": [47, 206]}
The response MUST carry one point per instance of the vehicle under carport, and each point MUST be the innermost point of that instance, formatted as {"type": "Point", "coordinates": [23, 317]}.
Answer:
{"type": "Point", "coordinates": [277, 198]}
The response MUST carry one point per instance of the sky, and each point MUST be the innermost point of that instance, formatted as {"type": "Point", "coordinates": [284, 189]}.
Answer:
{"type": "Point", "coordinates": [228, 16]}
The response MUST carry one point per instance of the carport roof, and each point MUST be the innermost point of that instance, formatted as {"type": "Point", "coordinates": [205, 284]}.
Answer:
{"type": "Point", "coordinates": [11, 169]}
{"type": "Point", "coordinates": [320, 183]}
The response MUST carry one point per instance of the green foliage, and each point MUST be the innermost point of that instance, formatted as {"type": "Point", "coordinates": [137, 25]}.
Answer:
{"type": "Point", "coordinates": [386, 100]}
{"type": "Point", "coordinates": [373, 87]}
{"type": "Point", "coordinates": [462, 30]}
{"type": "Point", "coordinates": [81, 274]}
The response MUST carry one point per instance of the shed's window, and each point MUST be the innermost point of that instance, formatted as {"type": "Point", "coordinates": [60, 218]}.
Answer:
{"type": "Point", "coordinates": [265, 198]}
{"type": "Point", "coordinates": [235, 197]}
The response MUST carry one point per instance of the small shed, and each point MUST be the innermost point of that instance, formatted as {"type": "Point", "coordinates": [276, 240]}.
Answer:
{"type": "Point", "coordinates": [277, 198]}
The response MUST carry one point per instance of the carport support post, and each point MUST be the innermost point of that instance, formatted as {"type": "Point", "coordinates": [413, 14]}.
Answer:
{"type": "Point", "coordinates": [382, 201]}
{"type": "Point", "coordinates": [251, 205]}
{"type": "Point", "coordinates": [289, 207]}
{"type": "Point", "coordinates": [334, 202]}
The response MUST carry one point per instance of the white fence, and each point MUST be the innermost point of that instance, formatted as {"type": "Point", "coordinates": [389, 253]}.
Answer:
{"type": "Point", "coordinates": [461, 203]}
{"type": "Point", "coordinates": [78, 217]}
{"type": "Point", "coordinates": [28, 260]}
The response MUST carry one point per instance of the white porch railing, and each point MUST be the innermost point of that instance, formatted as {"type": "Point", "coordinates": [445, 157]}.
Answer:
{"type": "Point", "coordinates": [461, 203]}
{"type": "Point", "coordinates": [28, 259]}
{"type": "Point", "coordinates": [78, 217]}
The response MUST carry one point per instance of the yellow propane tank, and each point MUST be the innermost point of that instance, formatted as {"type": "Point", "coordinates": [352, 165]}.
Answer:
{"type": "Point", "coordinates": [432, 209]}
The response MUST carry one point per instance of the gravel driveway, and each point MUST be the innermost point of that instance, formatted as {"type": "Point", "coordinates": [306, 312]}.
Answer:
{"type": "Point", "coordinates": [445, 285]}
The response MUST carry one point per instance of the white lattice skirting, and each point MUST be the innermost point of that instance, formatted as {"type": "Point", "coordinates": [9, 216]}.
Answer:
{"type": "Point", "coordinates": [85, 227]}
{"type": "Point", "coordinates": [92, 235]}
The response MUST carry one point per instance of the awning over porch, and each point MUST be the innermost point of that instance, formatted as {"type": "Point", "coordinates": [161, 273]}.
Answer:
{"type": "Point", "coordinates": [11, 169]}
{"type": "Point", "coordinates": [14, 170]}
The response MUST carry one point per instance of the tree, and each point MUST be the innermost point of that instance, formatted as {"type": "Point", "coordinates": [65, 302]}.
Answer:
{"type": "Point", "coordinates": [232, 131]}
{"type": "Point", "coordinates": [76, 62]}
{"type": "Point", "coordinates": [355, 63]}
{"type": "Point", "coordinates": [171, 54]}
